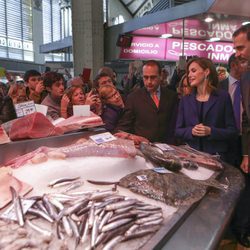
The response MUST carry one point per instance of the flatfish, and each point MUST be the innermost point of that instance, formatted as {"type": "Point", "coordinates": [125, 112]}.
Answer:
{"type": "Point", "coordinates": [170, 188]}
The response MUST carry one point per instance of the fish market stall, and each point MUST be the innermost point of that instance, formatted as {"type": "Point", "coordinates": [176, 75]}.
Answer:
{"type": "Point", "coordinates": [198, 224]}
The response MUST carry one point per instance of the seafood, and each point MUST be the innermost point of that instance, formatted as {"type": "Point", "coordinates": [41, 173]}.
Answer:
{"type": "Point", "coordinates": [62, 180]}
{"type": "Point", "coordinates": [100, 227]}
{"type": "Point", "coordinates": [17, 206]}
{"type": "Point", "coordinates": [173, 189]}
{"type": "Point", "coordinates": [7, 180]}
{"type": "Point", "coordinates": [185, 152]}
{"type": "Point", "coordinates": [180, 157]}
{"type": "Point", "coordinates": [38, 229]}
{"type": "Point", "coordinates": [153, 154]}
{"type": "Point", "coordinates": [117, 148]}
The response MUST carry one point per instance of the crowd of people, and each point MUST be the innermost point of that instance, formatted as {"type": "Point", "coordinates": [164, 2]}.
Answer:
{"type": "Point", "coordinates": [204, 109]}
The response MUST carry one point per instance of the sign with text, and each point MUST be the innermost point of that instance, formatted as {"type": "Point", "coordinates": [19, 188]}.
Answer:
{"type": "Point", "coordinates": [217, 51]}
{"type": "Point", "coordinates": [170, 49]}
{"type": "Point", "coordinates": [25, 108]}
{"type": "Point", "coordinates": [194, 29]}
{"type": "Point", "coordinates": [145, 48]}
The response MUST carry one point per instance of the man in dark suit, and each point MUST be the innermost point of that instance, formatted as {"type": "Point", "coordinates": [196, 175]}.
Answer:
{"type": "Point", "coordinates": [232, 85]}
{"type": "Point", "coordinates": [150, 111]}
{"type": "Point", "coordinates": [241, 40]}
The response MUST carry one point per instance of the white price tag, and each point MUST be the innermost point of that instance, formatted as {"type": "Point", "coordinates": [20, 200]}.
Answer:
{"type": "Point", "coordinates": [10, 213]}
{"type": "Point", "coordinates": [25, 108]}
{"type": "Point", "coordinates": [41, 108]}
{"type": "Point", "coordinates": [102, 138]}
{"type": "Point", "coordinates": [81, 110]}
{"type": "Point", "coordinates": [163, 146]}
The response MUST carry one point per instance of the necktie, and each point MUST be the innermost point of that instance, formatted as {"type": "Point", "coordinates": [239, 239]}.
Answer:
{"type": "Point", "coordinates": [155, 99]}
{"type": "Point", "coordinates": [236, 104]}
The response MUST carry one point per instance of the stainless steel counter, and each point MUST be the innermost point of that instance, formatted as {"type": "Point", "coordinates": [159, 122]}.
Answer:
{"type": "Point", "coordinates": [204, 223]}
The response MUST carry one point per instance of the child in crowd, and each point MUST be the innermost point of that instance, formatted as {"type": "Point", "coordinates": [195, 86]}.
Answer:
{"type": "Point", "coordinates": [54, 84]}
{"type": "Point", "coordinates": [35, 89]}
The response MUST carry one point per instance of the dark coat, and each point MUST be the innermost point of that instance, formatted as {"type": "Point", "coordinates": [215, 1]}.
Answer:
{"type": "Point", "coordinates": [245, 92]}
{"type": "Point", "coordinates": [218, 115]}
{"type": "Point", "coordinates": [143, 118]}
{"type": "Point", "coordinates": [110, 116]}
{"type": "Point", "coordinates": [234, 154]}
{"type": "Point", "coordinates": [7, 110]}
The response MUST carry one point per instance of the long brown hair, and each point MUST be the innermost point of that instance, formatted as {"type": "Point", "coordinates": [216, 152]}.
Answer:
{"type": "Point", "coordinates": [70, 91]}
{"type": "Point", "coordinates": [206, 63]}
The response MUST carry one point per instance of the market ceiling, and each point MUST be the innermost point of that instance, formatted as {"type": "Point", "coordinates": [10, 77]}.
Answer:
{"type": "Point", "coordinates": [240, 9]}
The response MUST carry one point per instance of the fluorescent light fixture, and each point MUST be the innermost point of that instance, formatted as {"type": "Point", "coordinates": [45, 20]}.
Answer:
{"type": "Point", "coordinates": [245, 23]}
{"type": "Point", "coordinates": [213, 39]}
{"type": "Point", "coordinates": [208, 19]}
{"type": "Point", "coordinates": [166, 35]}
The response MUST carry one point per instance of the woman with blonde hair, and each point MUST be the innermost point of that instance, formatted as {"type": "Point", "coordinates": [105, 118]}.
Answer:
{"type": "Point", "coordinates": [17, 93]}
{"type": "Point", "coordinates": [183, 87]}
{"type": "Point", "coordinates": [112, 105]}
{"type": "Point", "coordinates": [205, 119]}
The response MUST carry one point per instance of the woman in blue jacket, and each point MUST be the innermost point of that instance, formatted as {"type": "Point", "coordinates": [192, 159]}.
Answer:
{"type": "Point", "coordinates": [205, 118]}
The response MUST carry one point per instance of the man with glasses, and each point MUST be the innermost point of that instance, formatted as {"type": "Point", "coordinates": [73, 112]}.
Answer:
{"type": "Point", "coordinates": [150, 111]}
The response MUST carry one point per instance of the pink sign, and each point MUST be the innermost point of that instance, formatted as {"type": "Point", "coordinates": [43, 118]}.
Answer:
{"type": "Point", "coordinates": [216, 51]}
{"type": "Point", "coordinates": [193, 29]}
{"type": "Point", "coordinates": [155, 30]}
{"type": "Point", "coordinates": [145, 48]}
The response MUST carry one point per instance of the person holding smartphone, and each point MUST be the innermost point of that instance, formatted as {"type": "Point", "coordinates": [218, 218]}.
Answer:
{"type": "Point", "coordinates": [35, 90]}
{"type": "Point", "coordinates": [75, 96]}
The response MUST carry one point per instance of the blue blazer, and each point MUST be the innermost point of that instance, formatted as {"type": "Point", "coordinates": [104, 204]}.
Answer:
{"type": "Point", "coordinates": [217, 114]}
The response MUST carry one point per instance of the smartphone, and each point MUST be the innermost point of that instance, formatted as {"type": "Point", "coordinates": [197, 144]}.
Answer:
{"type": "Point", "coordinates": [86, 74]}
{"type": "Point", "coordinates": [94, 91]}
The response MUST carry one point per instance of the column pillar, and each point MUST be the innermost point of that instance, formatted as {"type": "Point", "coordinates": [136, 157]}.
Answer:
{"type": "Point", "coordinates": [88, 38]}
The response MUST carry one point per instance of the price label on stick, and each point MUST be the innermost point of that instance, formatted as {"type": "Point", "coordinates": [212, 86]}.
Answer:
{"type": "Point", "coordinates": [102, 138]}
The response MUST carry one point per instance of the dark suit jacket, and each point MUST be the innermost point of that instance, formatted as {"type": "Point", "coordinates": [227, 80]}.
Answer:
{"type": "Point", "coordinates": [234, 155]}
{"type": "Point", "coordinates": [224, 84]}
{"type": "Point", "coordinates": [217, 114]}
{"type": "Point", "coordinates": [142, 117]}
{"type": "Point", "coordinates": [245, 93]}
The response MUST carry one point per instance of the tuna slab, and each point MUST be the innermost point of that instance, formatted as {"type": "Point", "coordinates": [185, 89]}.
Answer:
{"type": "Point", "coordinates": [35, 125]}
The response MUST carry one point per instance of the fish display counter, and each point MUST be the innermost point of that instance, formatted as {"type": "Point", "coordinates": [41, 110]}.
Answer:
{"type": "Point", "coordinates": [156, 218]}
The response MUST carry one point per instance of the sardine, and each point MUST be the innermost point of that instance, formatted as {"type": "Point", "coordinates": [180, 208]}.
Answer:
{"type": "Point", "coordinates": [67, 226]}
{"type": "Point", "coordinates": [41, 214]}
{"type": "Point", "coordinates": [112, 243]}
{"type": "Point", "coordinates": [120, 204]}
{"type": "Point", "coordinates": [139, 233]}
{"type": "Point", "coordinates": [62, 180]}
{"type": "Point", "coordinates": [39, 229]}
{"type": "Point", "coordinates": [94, 232]}
{"type": "Point", "coordinates": [115, 224]}
{"type": "Point", "coordinates": [17, 206]}
{"type": "Point", "coordinates": [105, 219]}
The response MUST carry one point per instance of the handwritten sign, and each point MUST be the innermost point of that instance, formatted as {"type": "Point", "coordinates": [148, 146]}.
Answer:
{"type": "Point", "coordinates": [25, 108]}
